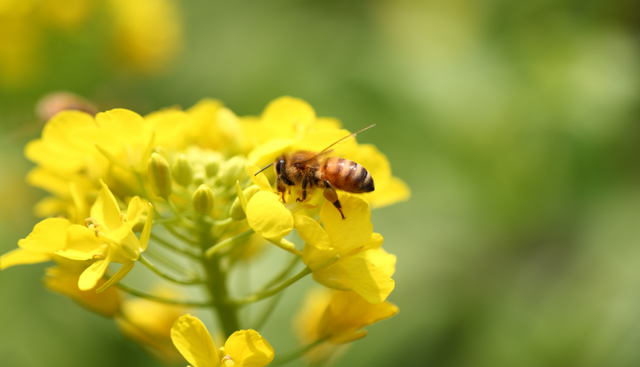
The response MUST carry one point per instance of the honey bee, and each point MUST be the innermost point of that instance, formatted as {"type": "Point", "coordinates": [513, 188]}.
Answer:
{"type": "Point", "coordinates": [311, 170]}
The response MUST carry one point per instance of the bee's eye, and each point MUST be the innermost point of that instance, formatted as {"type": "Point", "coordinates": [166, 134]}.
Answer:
{"type": "Point", "coordinates": [279, 166]}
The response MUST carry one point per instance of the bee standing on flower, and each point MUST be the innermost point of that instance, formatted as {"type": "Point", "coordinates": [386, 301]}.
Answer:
{"type": "Point", "coordinates": [310, 170]}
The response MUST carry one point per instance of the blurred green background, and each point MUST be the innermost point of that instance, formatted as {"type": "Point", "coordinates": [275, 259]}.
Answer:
{"type": "Point", "coordinates": [515, 123]}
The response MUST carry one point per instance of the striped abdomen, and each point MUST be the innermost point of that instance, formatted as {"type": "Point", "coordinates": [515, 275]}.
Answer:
{"type": "Point", "coordinates": [347, 175]}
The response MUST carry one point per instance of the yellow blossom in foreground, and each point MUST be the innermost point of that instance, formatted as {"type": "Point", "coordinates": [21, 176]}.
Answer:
{"type": "Point", "coordinates": [108, 238]}
{"type": "Point", "coordinates": [244, 348]}
{"type": "Point", "coordinates": [362, 265]}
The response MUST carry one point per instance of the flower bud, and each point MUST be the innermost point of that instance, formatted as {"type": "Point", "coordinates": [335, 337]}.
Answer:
{"type": "Point", "coordinates": [159, 175]}
{"type": "Point", "coordinates": [212, 167]}
{"type": "Point", "coordinates": [160, 150]}
{"type": "Point", "coordinates": [234, 170]}
{"type": "Point", "coordinates": [203, 200]}
{"type": "Point", "coordinates": [236, 212]}
{"type": "Point", "coordinates": [199, 178]}
{"type": "Point", "coordinates": [182, 170]}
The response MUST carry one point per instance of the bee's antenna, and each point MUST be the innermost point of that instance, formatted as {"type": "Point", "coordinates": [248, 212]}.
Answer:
{"type": "Point", "coordinates": [265, 167]}
{"type": "Point", "coordinates": [348, 136]}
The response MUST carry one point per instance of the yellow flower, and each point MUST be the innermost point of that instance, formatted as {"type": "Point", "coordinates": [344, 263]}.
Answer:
{"type": "Point", "coordinates": [149, 324]}
{"type": "Point", "coordinates": [244, 348]}
{"type": "Point", "coordinates": [347, 313]}
{"type": "Point", "coordinates": [362, 265]}
{"type": "Point", "coordinates": [73, 147]}
{"type": "Point", "coordinates": [108, 237]}
{"type": "Point", "coordinates": [336, 317]}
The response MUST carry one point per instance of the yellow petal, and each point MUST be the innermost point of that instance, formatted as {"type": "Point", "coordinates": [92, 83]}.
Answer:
{"type": "Point", "coordinates": [366, 279]}
{"type": "Point", "coordinates": [268, 217]}
{"type": "Point", "coordinates": [67, 140]}
{"type": "Point", "coordinates": [260, 179]}
{"type": "Point", "coordinates": [121, 127]}
{"type": "Point", "coordinates": [105, 210]}
{"type": "Point", "coordinates": [381, 259]}
{"type": "Point", "coordinates": [348, 312]}
{"type": "Point", "coordinates": [375, 242]}
{"type": "Point", "coordinates": [49, 235]}
{"type": "Point", "coordinates": [90, 277]}
{"type": "Point", "coordinates": [317, 259]}
{"type": "Point", "coordinates": [249, 349]}
{"type": "Point", "coordinates": [395, 191]}
{"type": "Point", "coordinates": [192, 339]}
{"type": "Point", "coordinates": [269, 151]}
{"type": "Point", "coordinates": [124, 270]}
{"type": "Point", "coordinates": [50, 181]}
{"type": "Point", "coordinates": [170, 126]}
{"type": "Point", "coordinates": [321, 139]}
{"type": "Point", "coordinates": [82, 243]}
{"type": "Point", "coordinates": [311, 232]}
{"type": "Point", "coordinates": [146, 230]}
{"type": "Point", "coordinates": [22, 257]}
{"type": "Point", "coordinates": [287, 111]}
{"type": "Point", "coordinates": [134, 212]}
{"type": "Point", "coordinates": [352, 232]}
{"type": "Point", "coordinates": [241, 197]}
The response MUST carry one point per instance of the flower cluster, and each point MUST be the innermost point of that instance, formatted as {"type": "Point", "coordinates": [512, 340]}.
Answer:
{"type": "Point", "coordinates": [185, 183]}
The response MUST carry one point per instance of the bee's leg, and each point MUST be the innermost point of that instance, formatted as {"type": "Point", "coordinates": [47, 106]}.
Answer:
{"type": "Point", "coordinates": [281, 187]}
{"type": "Point", "coordinates": [331, 195]}
{"type": "Point", "coordinates": [305, 182]}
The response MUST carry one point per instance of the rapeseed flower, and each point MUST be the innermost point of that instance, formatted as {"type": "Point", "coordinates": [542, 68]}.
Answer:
{"type": "Point", "coordinates": [363, 266]}
{"type": "Point", "coordinates": [194, 172]}
{"type": "Point", "coordinates": [244, 348]}
{"type": "Point", "coordinates": [336, 318]}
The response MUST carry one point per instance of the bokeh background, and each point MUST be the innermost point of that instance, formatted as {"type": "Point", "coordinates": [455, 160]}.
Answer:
{"type": "Point", "coordinates": [515, 123]}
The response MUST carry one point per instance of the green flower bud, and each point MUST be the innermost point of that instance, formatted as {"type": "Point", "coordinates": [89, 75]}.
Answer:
{"type": "Point", "coordinates": [234, 170]}
{"type": "Point", "coordinates": [212, 167]}
{"type": "Point", "coordinates": [159, 175]}
{"type": "Point", "coordinates": [203, 200]}
{"type": "Point", "coordinates": [199, 178]}
{"type": "Point", "coordinates": [236, 212]}
{"type": "Point", "coordinates": [182, 170]}
{"type": "Point", "coordinates": [160, 150]}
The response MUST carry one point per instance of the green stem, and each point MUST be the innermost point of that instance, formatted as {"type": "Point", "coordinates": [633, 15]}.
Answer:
{"type": "Point", "coordinates": [262, 295]}
{"type": "Point", "coordinates": [267, 312]}
{"type": "Point", "coordinates": [188, 223]}
{"type": "Point", "coordinates": [217, 285]}
{"type": "Point", "coordinates": [166, 276]}
{"type": "Point", "coordinates": [179, 235]}
{"type": "Point", "coordinates": [229, 241]}
{"type": "Point", "coordinates": [292, 264]}
{"type": "Point", "coordinates": [151, 297]}
{"type": "Point", "coordinates": [295, 354]}
{"type": "Point", "coordinates": [173, 247]}
{"type": "Point", "coordinates": [158, 256]}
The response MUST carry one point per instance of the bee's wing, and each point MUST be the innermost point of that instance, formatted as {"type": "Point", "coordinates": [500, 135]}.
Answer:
{"type": "Point", "coordinates": [327, 150]}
